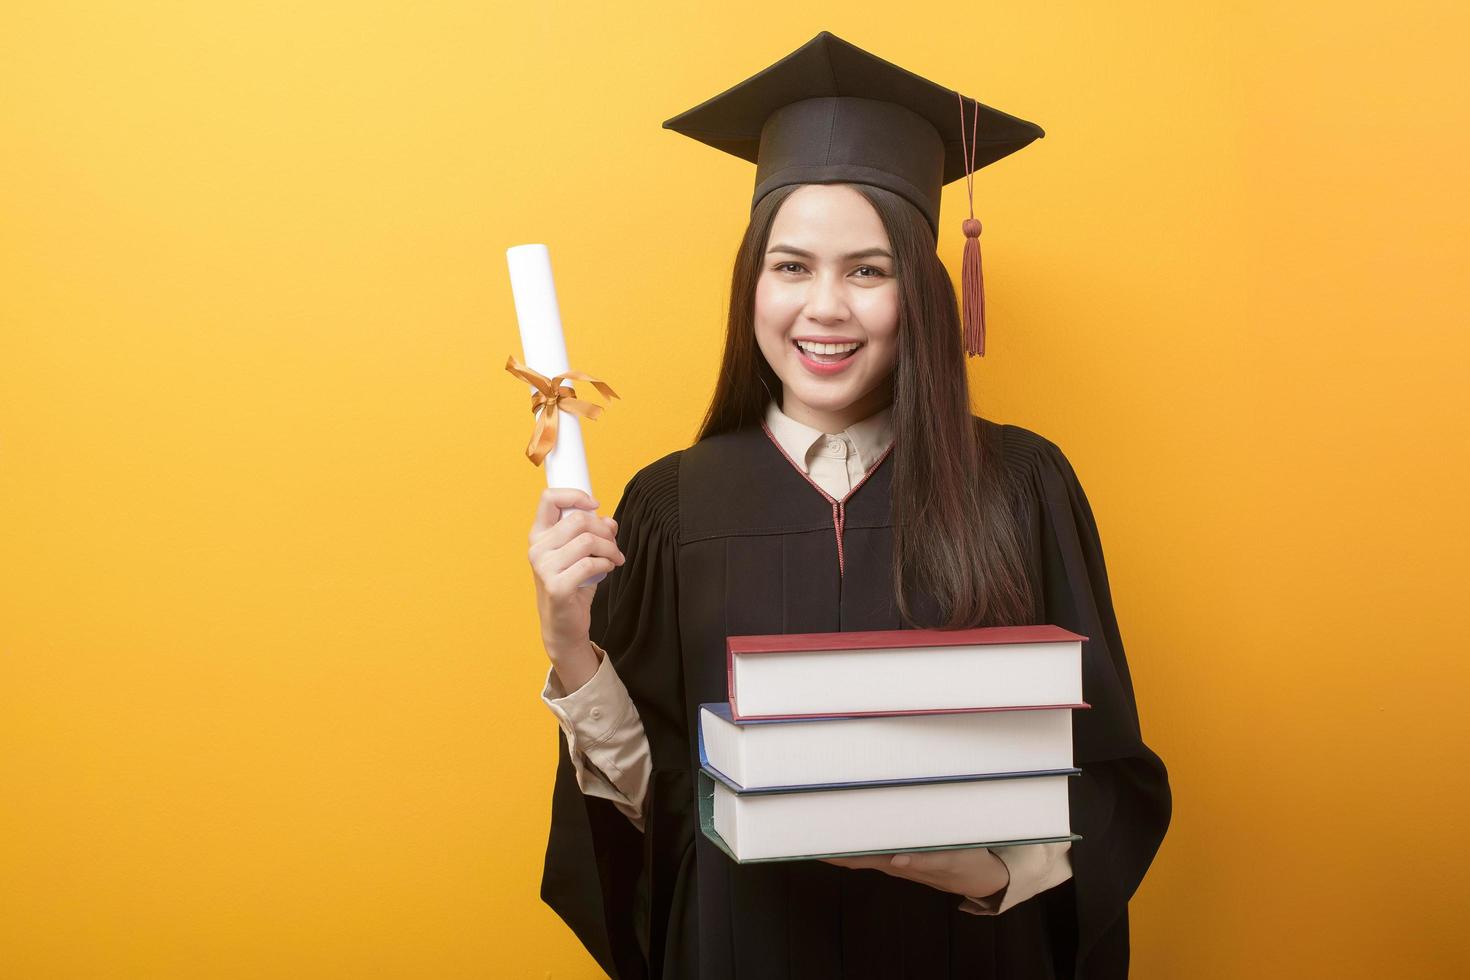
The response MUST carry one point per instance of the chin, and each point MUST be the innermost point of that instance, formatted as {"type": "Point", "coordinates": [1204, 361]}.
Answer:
{"type": "Point", "coordinates": [831, 397]}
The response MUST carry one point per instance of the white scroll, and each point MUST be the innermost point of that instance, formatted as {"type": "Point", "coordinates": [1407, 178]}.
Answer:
{"type": "Point", "coordinates": [544, 349]}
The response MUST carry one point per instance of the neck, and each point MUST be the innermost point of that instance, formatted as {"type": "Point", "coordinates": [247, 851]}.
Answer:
{"type": "Point", "coordinates": [835, 420]}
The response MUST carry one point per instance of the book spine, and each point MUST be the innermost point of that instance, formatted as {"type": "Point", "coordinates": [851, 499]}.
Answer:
{"type": "Point", "coordinates": [730, 680]}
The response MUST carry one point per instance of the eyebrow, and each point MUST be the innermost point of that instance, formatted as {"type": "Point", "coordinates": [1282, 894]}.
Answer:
{"type": "Point", "coordinates": [850, 255]}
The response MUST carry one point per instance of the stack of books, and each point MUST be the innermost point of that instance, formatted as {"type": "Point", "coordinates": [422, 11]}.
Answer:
{"type": "Point", "coordinates": [890, 740]}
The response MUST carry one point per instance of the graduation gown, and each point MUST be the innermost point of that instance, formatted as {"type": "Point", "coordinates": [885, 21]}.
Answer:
{"type": "Point", "coordinates": [728, 537]}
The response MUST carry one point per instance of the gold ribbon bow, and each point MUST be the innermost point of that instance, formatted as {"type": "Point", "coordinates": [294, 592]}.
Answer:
{"type": "Point", "coordinates": [550, 398]}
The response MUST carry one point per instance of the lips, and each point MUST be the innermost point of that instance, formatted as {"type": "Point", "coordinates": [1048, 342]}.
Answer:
{"type": "Point", "coordinates": [825, 368]}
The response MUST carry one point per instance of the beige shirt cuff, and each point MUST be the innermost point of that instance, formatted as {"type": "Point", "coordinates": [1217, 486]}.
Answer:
{"type": "Point", "coordinates": [1033, 868]}
{"type": "Point", "coordinates": [605, 737]}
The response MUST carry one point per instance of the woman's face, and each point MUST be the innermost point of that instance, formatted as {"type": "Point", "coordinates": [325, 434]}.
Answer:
{"type": "Point", "coordinates": [828, 276]}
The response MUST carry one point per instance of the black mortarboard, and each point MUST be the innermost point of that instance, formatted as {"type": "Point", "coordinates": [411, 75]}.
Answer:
{"type": "Point", "coordinates": [831, 112]}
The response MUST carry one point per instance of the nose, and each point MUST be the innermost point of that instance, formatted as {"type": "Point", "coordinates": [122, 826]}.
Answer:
{"type": "Point", "coordinates": [825, 301]}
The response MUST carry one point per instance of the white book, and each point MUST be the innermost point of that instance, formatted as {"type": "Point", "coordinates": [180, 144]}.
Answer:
{"type": "Point", "coordinates": [975, 812]}
{"type": "Point", "coordinates": [890, 671]}
{"type": "Point", "coordinates": [767, 754]}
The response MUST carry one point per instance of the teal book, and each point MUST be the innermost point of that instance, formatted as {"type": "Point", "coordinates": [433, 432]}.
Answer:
{"type": "Point", "coordinates": [837, 820]}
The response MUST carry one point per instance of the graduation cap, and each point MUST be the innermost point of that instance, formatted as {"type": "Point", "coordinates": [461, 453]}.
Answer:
{"type": "Point", "coordinates": [831, 112]}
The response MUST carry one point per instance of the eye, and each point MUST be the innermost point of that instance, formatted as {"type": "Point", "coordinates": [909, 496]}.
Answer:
{"type": "Point", "coordinates": [872, 268]}
{"type": "Point", "coordinates": [781, 266]}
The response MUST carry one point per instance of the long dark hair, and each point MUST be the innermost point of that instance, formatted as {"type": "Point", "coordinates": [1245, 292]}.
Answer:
{"type": "Point", "coordinates": [954, 534]}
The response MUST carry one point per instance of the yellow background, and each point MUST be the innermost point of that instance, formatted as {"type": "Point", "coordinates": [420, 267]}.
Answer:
{"type": "Point", "coordinates": [269, 657]}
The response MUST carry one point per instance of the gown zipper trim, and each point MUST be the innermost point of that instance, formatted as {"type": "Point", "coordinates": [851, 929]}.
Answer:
{"type": "Point", "coordinates": [839, 507]}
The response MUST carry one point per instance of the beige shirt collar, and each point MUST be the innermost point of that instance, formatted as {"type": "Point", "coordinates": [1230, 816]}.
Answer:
{"type": "Point", "coordinates": [868, 438]}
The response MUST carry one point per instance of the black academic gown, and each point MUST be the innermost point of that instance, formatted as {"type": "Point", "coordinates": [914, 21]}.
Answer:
{"type": "Point", "coordinates": [728, 537]}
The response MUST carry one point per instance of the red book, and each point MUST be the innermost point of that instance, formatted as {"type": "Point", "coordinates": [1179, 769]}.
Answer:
{"type": "Point", "coordinates": [873, 672]}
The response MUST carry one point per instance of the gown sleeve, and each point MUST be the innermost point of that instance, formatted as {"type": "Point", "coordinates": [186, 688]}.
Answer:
{"type": "Point", "coordinates": [614, 885]}
{"type": "Point", "coordinates": [1121, 803]}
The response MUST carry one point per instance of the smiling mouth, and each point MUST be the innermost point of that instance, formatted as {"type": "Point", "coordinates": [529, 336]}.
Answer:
{"type": "Point", "coordinates": [826, 358]}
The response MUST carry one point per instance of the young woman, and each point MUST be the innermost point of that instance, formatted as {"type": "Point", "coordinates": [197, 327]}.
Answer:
{"type": "Point", "coordinates": [831, 488]}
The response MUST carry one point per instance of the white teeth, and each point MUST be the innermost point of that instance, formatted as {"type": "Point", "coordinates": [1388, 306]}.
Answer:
{"type": "Point", "coordinates": [826, 348]}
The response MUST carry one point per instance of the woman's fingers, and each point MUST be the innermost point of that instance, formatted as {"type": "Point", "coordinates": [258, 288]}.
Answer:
{"type": "Point", "coordinates": [576, 522]}
{"type": "Point", "coordinates": [879, 861]}
{"type": "Point", "coordinates": [925, 867]}
{"type": "Point", "coordinates": [568, 581]}
{"type": "Point", "coordinates": [924, 861]}
{"type": "Point", "coordinates": [553, 501]}
{"type": "Point", "coordinates": [578, 534]}
{"type": "Point", "coordinates": [577, 554]}
{"type": "Point", "coordinates": [963, 871]}
{"type": "Point", "coordinates": [569, 544]}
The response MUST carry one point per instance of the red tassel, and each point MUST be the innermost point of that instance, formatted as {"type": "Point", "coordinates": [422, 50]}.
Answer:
{"type": "Point", "coordinates": [972, 281]}
{"type": "Point", "coordinates": [972, 287]}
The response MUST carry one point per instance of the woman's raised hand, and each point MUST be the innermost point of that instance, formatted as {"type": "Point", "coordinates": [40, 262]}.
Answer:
{"type": "Point", "coordinates": [565, 551]}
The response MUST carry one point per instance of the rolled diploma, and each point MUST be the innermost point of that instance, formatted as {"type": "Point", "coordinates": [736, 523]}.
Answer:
{"type": "Point", "coordinates": [544, 349]}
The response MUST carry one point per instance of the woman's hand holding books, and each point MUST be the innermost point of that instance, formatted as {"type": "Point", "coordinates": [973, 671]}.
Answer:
{"type": "Point", "coordinates": [974, 872]}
